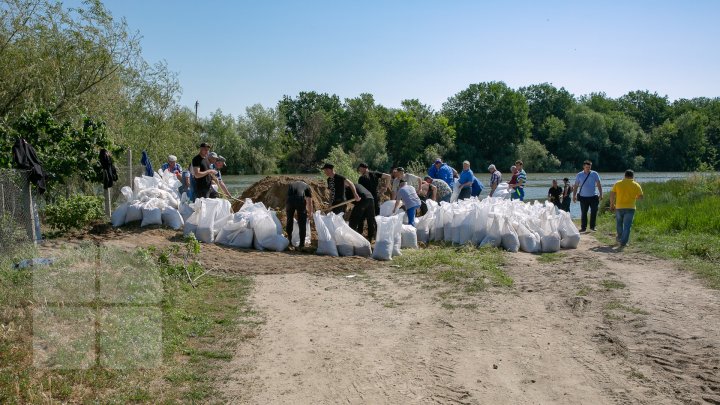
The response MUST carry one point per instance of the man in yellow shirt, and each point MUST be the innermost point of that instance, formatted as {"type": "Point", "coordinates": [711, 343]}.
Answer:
{"type": "Point", "coordinates": [622, 200]}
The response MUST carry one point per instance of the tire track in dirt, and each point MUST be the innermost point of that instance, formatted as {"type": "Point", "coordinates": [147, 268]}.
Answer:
{"type": "Point", "coordinates": [676, 339]}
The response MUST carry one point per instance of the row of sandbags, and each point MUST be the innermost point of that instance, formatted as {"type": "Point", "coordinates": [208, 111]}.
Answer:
{"type": "Point", "coordinates": [153, 201]}
{"type": "Point", "coordinates": [336, 238]}
{"type": "Point", "coordinates": [254, 226]}
{"type": "Point", "coordinates": [514, 225]}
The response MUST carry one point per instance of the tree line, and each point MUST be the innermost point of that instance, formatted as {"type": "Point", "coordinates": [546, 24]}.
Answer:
{"type": "Point", "coordinates": [74, 80]}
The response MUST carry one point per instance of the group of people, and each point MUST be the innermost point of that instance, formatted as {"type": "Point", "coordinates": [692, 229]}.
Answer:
{"type": "Point", "coordinates": [589, 192]}
{"type": "Point", "coordinates": [411, 191]}
{"type": "Point", "coordinates": [204, 170]}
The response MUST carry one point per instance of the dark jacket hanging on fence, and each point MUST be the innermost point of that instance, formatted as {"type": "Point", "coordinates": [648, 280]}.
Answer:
{"type": "Point", "coordinates": [109, 171]}
{"type": "Point", "coordinates": [26, 159]}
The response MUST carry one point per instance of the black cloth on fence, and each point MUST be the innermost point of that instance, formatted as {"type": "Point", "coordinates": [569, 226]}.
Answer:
{"type": "Point", "coordinates": [26, 159]}
{"type": "Point", "coordinates": [109, 171]}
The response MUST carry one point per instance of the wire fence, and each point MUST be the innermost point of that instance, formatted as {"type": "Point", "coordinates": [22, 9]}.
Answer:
{"type": "Point", "coordinates": [18, 222]}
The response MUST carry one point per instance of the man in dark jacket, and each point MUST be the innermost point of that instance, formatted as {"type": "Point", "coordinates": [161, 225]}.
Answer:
{"type": "Point", "coordinates": [299, 199]}
{"type": "Point", "coordinates": [364, 210]}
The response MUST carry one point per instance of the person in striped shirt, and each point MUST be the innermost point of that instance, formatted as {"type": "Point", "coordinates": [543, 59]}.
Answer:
{"type": "Point", "coordinates": [518, 189]}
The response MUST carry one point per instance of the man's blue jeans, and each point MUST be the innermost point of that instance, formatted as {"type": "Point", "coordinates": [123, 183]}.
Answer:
{"type": "Point", "coordinates": [623, 222]}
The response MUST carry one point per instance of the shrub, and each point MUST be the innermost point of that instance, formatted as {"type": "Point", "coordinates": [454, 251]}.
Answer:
{"type": "Point", "coordinates": [75, 212]}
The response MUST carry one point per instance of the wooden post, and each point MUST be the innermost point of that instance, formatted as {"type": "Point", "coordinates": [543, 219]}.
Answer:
{"type": "Point", "coordinates": [108, 202]}
{"type": "Point", "coordinates": [130, 168]}
{"type": "Point", "coordinates": [29, 207]}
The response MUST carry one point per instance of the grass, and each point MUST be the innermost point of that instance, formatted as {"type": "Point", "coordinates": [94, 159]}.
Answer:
{"type": "Point", "coordinates": [678, 220]}
{"type": "Point", "coordinates": [136, 328]}
{"type": "Point", "coordinates": [550, 257]}
{"type": "Point", "coordinates": [612, 284]}
{"type": "Point", "coordinates": [583, 292]}
{"type": "Point", "coordinates": [617, 305]}
{"type": "Point", "coordinates": [466, 268]}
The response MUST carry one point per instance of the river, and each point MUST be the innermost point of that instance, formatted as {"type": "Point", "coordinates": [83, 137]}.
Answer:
{"type": "Point", "coordinates": [537, 188]}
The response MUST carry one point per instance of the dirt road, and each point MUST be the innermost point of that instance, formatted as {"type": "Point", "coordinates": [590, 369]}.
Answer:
{"type": "Point", "coordinates": [594, 327]}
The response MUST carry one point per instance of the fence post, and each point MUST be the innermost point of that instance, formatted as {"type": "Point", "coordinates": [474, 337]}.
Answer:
{"type": "Point", "coordinates": [30, 209]}
{"type": "Point", "coordinates": [108, 202]}
{"type": "Point", "coordinates": [130, 168]}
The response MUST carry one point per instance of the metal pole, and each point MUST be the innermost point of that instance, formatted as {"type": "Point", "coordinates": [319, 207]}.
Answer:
{"type": "Point", "coordinates": [130, 168]}
{"type": "Point", "coordinates": [108, 202]}
{"type": "Point", "coordinates": [30, 209]}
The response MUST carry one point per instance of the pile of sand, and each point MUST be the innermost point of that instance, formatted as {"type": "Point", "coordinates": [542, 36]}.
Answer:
{"type": "Point", "coordinates": [272, 191]}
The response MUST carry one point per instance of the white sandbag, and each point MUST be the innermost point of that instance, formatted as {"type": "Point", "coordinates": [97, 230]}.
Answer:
{"type": "Point", "coordinates": [438, 227]}
{"type": "Point", "coordinates": [424, 224]}
{"type": "Point", "coordinates": [185, 211]}
{"type": "Point", "coordinates": [385, 238]}
{"type": "Point", "coordinates": [409, 239]}
{"type": "Point", "coordinates": [152, 213]}
{"type": "Point", "coordinates": [295, 238]}
{"type": "Point", "coordinates": [134, 212]}
{"type": "Point", "coordinates": [569, 234]}
{"type": "Point", "coordinates": [264, 229]}
{"type": "Point", "coordinates": [349, 242]}
{"type": "Point", "coordinates": [326, 242]}
{"type": "Point", "coordinates": [236, 232]}
{"type": "Point", "coordinates": [118, 216]}
{"type": "Point", "coordinates": [386, 208]}
{"type": "Point", "coordinates": [529, 241]}
{"type": "Point", "coordinates": [456, 192]}
{"type": "Point", "coordinates": [397, 238]}
{"type": "Point", "coordinates": [550, 243]}
{"type": "Point", "coordinates": [172, 218]}
{"type": "Point", "coordinates": [276, 243]}
{"type": "Point", "coordinates": [278, 224]}
{"type": "Point", "coordinates": [509, 238]}
{"type": "Point", "coordinates": [462, 227]}
{"type": "Point", "coordinates": [205, 220]}
{"type": "Point", "coordinates": [493, 236]}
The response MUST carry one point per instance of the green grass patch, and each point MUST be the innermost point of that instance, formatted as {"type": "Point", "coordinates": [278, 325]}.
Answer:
{"type": "Point", "coordinates": [677, 220]}
{"type": "Point", "coordinates": [583, 292]}
{"type": "Point", "coordinates": [550, 257]}
{"type": "Point", "coordinates": [617, 305]}
{"type": "Point", "coordinates": [145, 334]}
{"type": "Point", "coordinates": [612, 284]}
{"type": "Point", "coordinates": [470, 269]}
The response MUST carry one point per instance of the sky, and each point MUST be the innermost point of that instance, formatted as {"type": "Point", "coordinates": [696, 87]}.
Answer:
{"type": "Point", "coordinates": [232, 54]}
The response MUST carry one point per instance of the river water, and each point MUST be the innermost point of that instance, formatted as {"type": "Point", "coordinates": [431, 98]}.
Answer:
{"type": "Point", "coordinates": [537, 187]}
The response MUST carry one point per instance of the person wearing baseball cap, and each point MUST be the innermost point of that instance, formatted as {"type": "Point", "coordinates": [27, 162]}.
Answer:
{"type": "Point", "coordinates": [442, 171]}
{"type": "Point", "coordinates": [173, 167]}
{"type": "Point", "coordinates": [202, 172]}
{"type": "Point", "coordinates": [219, 164]}
{"type": "Point", "coordinates": [370, 179]}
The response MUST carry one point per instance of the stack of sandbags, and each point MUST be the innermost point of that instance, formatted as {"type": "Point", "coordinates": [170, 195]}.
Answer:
{"type": "Point", "coordinates": [512, 224]}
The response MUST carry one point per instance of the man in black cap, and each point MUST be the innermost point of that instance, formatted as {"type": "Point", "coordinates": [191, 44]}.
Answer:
{"type": "Point", "coordinates": [202, 172]}
{"type": "Point", "coordinates": [336, 185]}
{"type": "Point", "coordinates": [299, 199]}
{"type": "Point", "coordinates": [363, 211]}
{"type": "Point", "coordinates": [370, 179]}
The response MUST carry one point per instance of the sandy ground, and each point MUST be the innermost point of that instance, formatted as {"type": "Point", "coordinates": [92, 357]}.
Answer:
{"type": "Point", "coordinates": [340, 330]}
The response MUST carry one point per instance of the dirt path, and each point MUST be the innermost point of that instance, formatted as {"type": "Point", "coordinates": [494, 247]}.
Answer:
{"type": "Point", "coordinates": [596, 326]}
{"type": "Point", "coordinates": [380, 337]}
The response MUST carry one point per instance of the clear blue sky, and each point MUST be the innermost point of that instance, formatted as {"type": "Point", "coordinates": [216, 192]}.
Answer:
{"type": "Point", "coordinates": [232, 54]}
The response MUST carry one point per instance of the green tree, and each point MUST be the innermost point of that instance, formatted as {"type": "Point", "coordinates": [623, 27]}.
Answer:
{"type": "Point", "coordinates": [648, 109]}
{"type": "Point", "coordinates": [311, 128]}
{"type": "Point", "coordinates": [262, 130]}
{"type": "Point", "coordinates": [536, 158]}
{"type": "Point", "coordinates": [600, 102]}
{"type": "Point", "coordinates": [545, 100]}
{"type": "Point", "coordinates": [490, 121]}
{"type": "Point", "coordinates": [586, 136]}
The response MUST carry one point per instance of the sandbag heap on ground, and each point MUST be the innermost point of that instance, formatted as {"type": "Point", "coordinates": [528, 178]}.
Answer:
{"type": "Point", "coordinates": [514, 225]}
{"type": "Point", "coordinates": [253, 226]}
{"type": "Point", "coordinates": [336, 238]}
{"type": "Point", "coordinates": [154, 201]}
